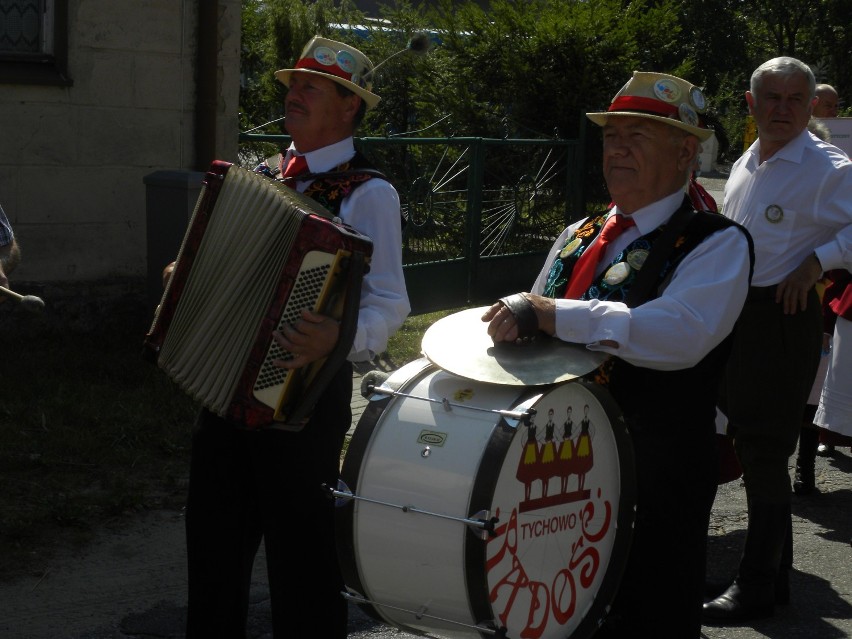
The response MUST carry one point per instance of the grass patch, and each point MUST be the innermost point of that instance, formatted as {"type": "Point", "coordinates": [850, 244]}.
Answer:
{"type": "Point", "coordinates": [90, 432]}
{"type": "Point", "coordinates": [404, 345]}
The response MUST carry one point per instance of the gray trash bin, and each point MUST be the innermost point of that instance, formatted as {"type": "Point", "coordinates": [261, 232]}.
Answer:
{"type": "Point", "coordinates": [170, 198]}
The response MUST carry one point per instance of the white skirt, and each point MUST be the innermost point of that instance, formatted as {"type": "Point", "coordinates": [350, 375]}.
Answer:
{"type": "Point", "coordinates": [835, 403]}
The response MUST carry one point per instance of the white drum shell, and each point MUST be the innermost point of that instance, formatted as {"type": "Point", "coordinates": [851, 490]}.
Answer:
{"type": "Point", "coordinates": [423, 455]}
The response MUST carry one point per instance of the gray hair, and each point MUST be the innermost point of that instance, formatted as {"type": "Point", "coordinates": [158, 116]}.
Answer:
{"type": "Point", "coordinates": [782, 66]}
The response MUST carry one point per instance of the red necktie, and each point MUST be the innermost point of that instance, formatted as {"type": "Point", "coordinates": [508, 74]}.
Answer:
{"type": "Point", "coordinates": [297, 165]}
{"type": "Point", "coordinates": [585, 268]}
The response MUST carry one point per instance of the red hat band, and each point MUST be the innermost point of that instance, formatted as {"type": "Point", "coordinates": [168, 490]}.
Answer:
{"type": "Point", "coordinates": [647, 105]}
{"type": "Point", "coordinates": [333, 69]}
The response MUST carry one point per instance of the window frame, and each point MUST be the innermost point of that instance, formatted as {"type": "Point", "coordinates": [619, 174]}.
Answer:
{"type": "Point", "coordinates": [48, 69]}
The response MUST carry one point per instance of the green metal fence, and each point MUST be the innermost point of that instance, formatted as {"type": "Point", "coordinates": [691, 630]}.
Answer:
{"type": "Point", "coordinates": [480, 213]}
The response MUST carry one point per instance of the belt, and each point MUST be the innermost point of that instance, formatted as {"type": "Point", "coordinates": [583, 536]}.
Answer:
{"type": "Point", "coordinates": [761, 293]}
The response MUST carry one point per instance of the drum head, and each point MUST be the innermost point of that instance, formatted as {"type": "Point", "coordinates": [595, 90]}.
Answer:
{"type": "Point", "coordinates": [460, 344]}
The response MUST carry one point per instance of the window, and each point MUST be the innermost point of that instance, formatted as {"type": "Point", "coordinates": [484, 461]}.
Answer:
{"type": "Point", "coordinates": [34, 42]}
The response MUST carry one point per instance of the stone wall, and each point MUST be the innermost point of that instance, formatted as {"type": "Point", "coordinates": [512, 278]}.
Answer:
{"type": "Point", "coordinates": [73, 159]}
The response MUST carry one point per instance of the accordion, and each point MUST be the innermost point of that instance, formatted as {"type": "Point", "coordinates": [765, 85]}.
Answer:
{"type": "Point", "coordinates": [255, 254]}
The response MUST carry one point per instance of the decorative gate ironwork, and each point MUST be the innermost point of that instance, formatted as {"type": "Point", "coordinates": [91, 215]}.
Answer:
{"type": "Point", "coordinates": [480, 213]}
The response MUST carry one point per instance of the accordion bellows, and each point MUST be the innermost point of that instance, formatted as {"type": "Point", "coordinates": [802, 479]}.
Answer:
{"type": "Point", "coordinates": [255, 254]}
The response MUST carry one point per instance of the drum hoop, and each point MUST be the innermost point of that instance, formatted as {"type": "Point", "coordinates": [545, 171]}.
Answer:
{"type": "Point", "coordinates": [349, 474]}
{"type": "Point", "coordinates": [481, 498]}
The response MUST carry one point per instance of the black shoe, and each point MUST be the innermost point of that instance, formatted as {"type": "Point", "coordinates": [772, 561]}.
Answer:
{"type": "Point", "coordinates": [804, 483]}
{"type": "Point", "coordinates": [737, 604]}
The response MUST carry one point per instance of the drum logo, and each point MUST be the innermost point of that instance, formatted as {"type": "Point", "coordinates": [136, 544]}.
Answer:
{"type": "Point", "coordinates": [549, 554]}
{"type": "Point", "coordinates": [432, 438]}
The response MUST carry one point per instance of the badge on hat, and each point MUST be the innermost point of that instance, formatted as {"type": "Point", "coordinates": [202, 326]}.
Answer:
{"type": "Point", "coordinates": [325, 56]}
{"type": "Point", "coordinates": [666, 90]}
{"type": "Point", "coordinates": [687, 114]}
{"type": "Point", "coordinates": [697, 99]}
{"type": "Point", "coordinates": [346, 61]}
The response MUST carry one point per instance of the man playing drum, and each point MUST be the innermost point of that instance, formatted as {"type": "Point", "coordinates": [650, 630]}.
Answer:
{"type": "Point", "coordinates": [661, 295]}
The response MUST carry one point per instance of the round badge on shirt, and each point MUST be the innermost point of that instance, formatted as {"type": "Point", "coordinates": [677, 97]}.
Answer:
{"type": "Point", "coordinates": [774, 213]}
{"type": "Point", "coordinates": [617, 273]}
{"type": "Point", "coordinates": [636, 258]}
{"type": "Point", "coordinates": [572, 246]}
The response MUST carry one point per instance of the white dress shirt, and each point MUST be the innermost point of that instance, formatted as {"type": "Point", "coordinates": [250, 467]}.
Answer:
{"type": "Point", "coordinates": [695, 311]}
{"type": "Point", "coordinates": [797, 202]}
{"type": "Point", "coordinates": [371, 209]}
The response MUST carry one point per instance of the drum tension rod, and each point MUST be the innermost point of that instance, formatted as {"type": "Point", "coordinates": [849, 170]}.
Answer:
{"type": "Point", "coordinates": [482, 523]}
{"type": "Point", "coordinates": [517, 415]}
{"type": "Point", "coordinates": [500, 633]}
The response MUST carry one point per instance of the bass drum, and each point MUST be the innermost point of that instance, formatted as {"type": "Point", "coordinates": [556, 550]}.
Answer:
{"type": "Point", "coordinates": [468, 509]}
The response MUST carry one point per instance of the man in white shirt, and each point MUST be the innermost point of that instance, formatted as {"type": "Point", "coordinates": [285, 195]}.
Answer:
{"type": "Point", "coordinates": [793, 192]}
{"type": "Point", "coordinates": [266, 483]}
{"type": "Point", "coordinates": [662, 301]}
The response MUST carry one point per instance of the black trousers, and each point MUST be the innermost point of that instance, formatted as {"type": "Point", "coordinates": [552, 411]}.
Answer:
{"type": "Point", "coordinates": [662, 589]}
{"type": "Point", "coordinates": [772, 367]}
{"type": "Point", "coordinates": [246, 486]}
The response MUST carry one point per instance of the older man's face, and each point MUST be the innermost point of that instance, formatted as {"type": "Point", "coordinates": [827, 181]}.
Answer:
{"type": "Point", "coordinates": [781, 106]}
{"type": "Point", "coordinates": [826, 107]}
{"type": "Point", "coordinates": [644, 160]}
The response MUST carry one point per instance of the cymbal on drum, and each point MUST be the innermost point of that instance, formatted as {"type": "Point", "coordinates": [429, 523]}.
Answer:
{"type": "Point", "coordinates": [460, 344]}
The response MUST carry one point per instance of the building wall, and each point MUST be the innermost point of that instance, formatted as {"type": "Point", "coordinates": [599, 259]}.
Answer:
{"type": "Point", "coordinates": [73, 159]}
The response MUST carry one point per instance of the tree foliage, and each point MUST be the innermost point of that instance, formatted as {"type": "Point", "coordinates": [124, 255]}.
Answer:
{"type": "Point", "coordinates": [533, 69]}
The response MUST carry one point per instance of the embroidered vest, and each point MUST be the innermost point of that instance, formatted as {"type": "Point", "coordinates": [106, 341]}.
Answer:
{"type": "Point", "coordinates": [642, 393]}
{"type": "Point", "coordinates": [331, 188]}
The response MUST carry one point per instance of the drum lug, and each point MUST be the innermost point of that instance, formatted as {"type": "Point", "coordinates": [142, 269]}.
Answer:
{"type": "Point", "coordinates": [482, 524]}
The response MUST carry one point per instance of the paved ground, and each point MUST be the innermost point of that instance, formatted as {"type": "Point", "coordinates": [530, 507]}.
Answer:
{"type": "Point", "coordinates": [130, 582]}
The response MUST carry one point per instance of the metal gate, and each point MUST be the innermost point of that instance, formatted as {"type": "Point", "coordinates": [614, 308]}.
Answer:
{"type": "Point", "coordinates": [480, 213]}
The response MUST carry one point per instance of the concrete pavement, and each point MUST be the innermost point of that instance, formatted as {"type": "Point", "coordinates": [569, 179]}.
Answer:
{"type": "Point", "coordinates": [130, 582]}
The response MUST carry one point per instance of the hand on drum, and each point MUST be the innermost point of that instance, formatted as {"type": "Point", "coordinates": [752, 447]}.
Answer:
{"type": "Point", "coordinates": [504, 325]}
{"type": "Point", "coordinates": [308, 339]}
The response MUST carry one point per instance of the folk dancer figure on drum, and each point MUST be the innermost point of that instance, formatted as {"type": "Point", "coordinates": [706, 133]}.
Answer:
{"type": "Point", "coordinates": [566, 451]}
{"type": "Point", "coordinates": [662, 300]}
{"type": "Point", "coordinates": [248, 485]}
{"type": "Point", "coordinates": [793, 192]}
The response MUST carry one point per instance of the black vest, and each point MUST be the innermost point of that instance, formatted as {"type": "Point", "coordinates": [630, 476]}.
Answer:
{"type": "Point", "coordinates": [642, 393]}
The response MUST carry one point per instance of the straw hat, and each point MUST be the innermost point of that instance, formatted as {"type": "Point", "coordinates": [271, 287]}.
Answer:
{"type": "Point", "coordinates": [660, 97]}
{"type": "Point", "coordinates": [337, 62]}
